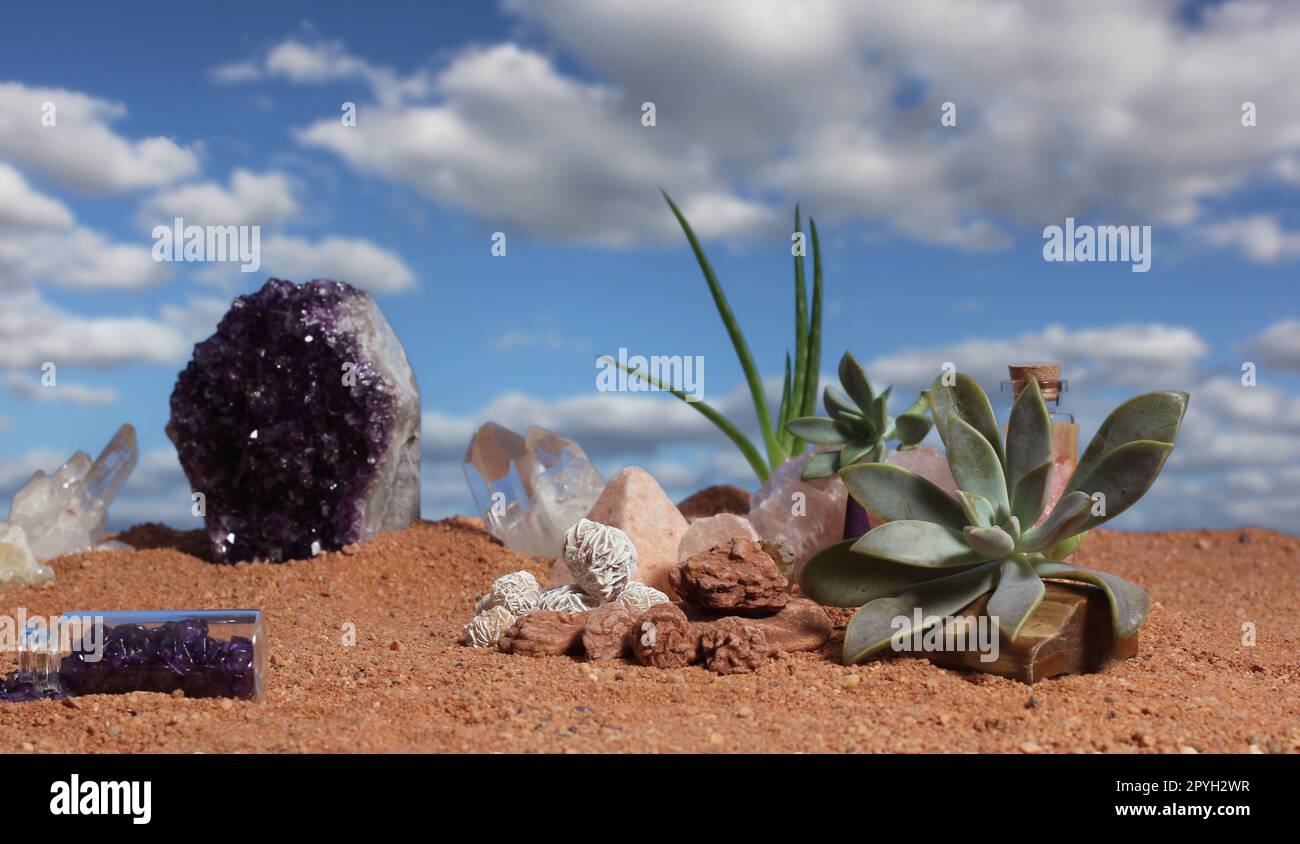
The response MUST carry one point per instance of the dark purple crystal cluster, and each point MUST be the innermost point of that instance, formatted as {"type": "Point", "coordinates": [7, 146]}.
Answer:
{"type": "Point", "coordinates": [174, 655]}
{"type": "Point", "coordinates": [298, 421]}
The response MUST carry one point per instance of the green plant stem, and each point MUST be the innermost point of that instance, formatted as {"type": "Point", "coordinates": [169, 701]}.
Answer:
{"type": "Point", "coordinates": [724, 424]}
{"type": "Point", "coordinates": [793, 444]}
{"type": "Point", "coordinates": [775, 453]}
{"type": "Point", "coordinates": [812, 361]}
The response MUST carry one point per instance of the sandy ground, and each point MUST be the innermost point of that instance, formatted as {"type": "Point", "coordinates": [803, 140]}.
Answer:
{"type": "Point", "coordinates": [409, 685]}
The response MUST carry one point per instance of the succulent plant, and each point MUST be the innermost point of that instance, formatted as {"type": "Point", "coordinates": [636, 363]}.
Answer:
{"type": "Point", "coordinates": [857, 423]}
{"type": "Point", "coordinates": [938, 554]}
{"type": "Point", "coordinates": [799, 393]}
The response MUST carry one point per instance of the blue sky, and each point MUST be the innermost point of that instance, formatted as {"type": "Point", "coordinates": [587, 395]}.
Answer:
{"type": "Point", "coordinates": [479, 117]}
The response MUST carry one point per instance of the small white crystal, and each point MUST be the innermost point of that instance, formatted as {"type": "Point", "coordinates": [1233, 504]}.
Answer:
{"type": "Point", "coordinates": [601, 559]}
{"type": "Point", "coordinates": [486, 628]}
{"type": "Point", "coordinates": [567, 598]}
{"type": "Point", "coordinates": [639, 597]}
{"type": "Point", "coordinates": [518, 592]}
{"type": "Point", "coordinates": [17, 565]}
{"type": "Point", "coordinates": [65, 513]}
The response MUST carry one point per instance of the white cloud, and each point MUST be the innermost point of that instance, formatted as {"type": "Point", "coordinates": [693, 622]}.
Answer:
{"type": "Point", "coordinates": [30, 388]}
{"type": "Point", "coordinates": [324, 61]}
{"type": "Point", "coordinates": [81, 150]}
{"type": "Point", "coordinates": [509, 119]}
{"type": "Point", "coordinates": [250, 199]}
{"type": "Point", "coordinates": [75, 258]}
{"type": "Point", "coordinates": [1259, 238]}
{"type": "Point", "coordinates": [1279, 344]}
{"type": "Point", "coordinates": [358, 262]}
{"type": "Point", "coordinates": [33, 331]}
{"type": "Point", "coordinates": [21, 207]}
{"type": "Point", "coordinates": [515, 339]}
{"type": "Point", "coordinates": [839, 105]}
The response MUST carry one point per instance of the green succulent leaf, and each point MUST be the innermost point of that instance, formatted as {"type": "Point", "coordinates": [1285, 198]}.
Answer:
{"type": "Point", "coordinates": [823, 464]}
{"type": "Point", "coordinates": [892, 493]}
{"type": "Point", "coordinates": [836, 402]}
{"type": "Point", "coordinates": [1123, 476]}
{"type": "Point", "coordinates": [1061, 550]}
{"type": "Point", "coordinates": [991, 543]}
{"type": "Point", "coordinates": [975, 464]}
{"type": "Point", "coordinates": [978, 510]}
{"type": "Point", "coordinates": [855, 451]}
{"type": "Point", "coordinates": [1019, 592]}
{"type": "Point", "coordinates": [1029, 433]}
{"type": "Point", "coordinates": [1150, 416]}
{"type": "Point", "coordinates": [838, 576]}
{"type": "Point", "coordinates": [854, 380]}
{"type": "Point", "coordinates": [967, 401]}
{"type": "Point", "coordinates": [921, 406]}
{"type": "Point", "coordinates": [1128, 603]}
{"type": "Point", "coordinates": [1066, 519]}
{"type": "Point", "coordinates": [874, 626]}
{"type": "Point", "coordinates": [911, 428]}
{"type": "Point", "coordinates": [917, 543]}
{"type": "Point", "coordinates": [816, 430]}
{"type": "Point", "coordinates": [1029, 496]}
{"type": "Point", "coordinates": [878, 415]}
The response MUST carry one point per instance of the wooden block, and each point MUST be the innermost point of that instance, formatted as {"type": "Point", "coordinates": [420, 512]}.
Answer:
{"type": "Point", "coordinates": [1069, 633]}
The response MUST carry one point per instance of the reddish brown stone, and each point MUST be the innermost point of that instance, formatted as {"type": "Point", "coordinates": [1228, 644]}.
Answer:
{"type": "Point", "coordinates": [662, 637]}
{"type": "Point", "coordinates": [710, 501]}
{"type": "Point", "coordinates": [739, 576]}
{"type": "Point", "coordinates": [606, 633]}
{"type": "Point", "coordinates": [545, 632]}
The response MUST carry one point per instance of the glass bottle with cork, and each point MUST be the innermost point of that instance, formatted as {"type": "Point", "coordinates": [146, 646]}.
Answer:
{"type": "Point", "coordinates": [1065, 432]}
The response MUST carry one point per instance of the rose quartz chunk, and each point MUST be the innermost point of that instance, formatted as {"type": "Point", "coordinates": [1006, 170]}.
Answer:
{"type": "Point", "coordinates": [714, 530]}
{"type": "Point", "coordinates": [929, 463]}
{"type": "Point", "coordinates": [809, 515]}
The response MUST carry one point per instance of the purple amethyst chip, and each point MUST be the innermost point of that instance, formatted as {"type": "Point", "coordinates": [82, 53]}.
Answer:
{"type": "Point", "coordinates": [299, 422]}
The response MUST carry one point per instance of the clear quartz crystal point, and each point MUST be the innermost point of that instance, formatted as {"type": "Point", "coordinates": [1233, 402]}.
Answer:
{"type": "Point", "coordinates": [65, 513]}
{"type": "Point", "coordinates": [530, 489]}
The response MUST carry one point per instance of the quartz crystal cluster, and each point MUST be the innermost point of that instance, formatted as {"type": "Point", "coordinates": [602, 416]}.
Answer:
{"type": "Point", "coordinates": [530, 489]}
{"type": "Point", "coordinates": [600, 559]}
{"type": "Point", "coordinates": [299, 423]}
{"type": "Point", "coordinates": [66, 512]}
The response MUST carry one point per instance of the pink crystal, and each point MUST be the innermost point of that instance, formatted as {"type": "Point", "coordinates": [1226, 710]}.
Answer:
{"type": "Point", "coordinates": [929, 463]}
{"type": "Point", "coordinates": [809, 515]}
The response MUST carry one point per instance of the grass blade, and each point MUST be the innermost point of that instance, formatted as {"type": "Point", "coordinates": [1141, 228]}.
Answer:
{"type": "Point", "coordinates": [813, 359]}
{"type": "Point", "coordinates": [724, 424]}
{"type": "Point", "coordinates": [800, 323]}
{"type": "Point", "coordinates": [775, 453]}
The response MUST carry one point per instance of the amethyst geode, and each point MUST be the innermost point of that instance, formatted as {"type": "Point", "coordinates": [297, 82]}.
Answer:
{"type": "Point", "coordinates": [299, 422]}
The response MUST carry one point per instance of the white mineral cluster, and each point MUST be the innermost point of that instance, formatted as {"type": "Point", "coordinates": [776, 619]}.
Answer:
{"type": "Point", "coordinates": [517, 592]}
{"type": "Point", "coordinates": [17, 565]}
{"type": "Point", "coordinates": [65, 513]}
{"type": "Point", "coordinates": [601, 559]}
{"type": "Point", "coordinates": [486, 627]}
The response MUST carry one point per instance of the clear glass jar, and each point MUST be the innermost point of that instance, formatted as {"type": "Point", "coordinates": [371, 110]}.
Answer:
{"type": "Point", "coordinates": [202, 653]}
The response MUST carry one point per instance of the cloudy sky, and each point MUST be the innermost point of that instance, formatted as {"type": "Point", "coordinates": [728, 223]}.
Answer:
{"type": "Point", "coordinates": [526, 118]}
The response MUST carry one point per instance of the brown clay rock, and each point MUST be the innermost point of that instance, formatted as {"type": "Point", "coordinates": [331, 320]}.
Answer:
{"type": "Point", "coordinates": [712, 500]}
{"type": "Point", "coordinates": [606, 633]}
{"type": "Point", "coordinates": [545, 632]}
{"type": "Point", "coordinates": [662, 637]}
{"type": "Point", "coordinates": [734, 645]}
{"type": "Point", "coordinates": [802, 625]}
{"type": "Point", "coordinates": [737, 576]}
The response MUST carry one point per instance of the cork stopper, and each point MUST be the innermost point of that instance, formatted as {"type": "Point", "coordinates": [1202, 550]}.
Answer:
{"type": "Point", "coordinates": [1048, 376]}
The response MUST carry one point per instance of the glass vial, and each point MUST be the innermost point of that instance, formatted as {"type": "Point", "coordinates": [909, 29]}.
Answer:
{"type": "Point", "coordinates": [202, 653]}
{"type": "Point", "coordinates": [1065, 432]}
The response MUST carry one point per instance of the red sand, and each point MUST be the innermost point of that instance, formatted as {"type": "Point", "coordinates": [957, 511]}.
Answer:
{"type": "Point", "coordinates": [409, 685]}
